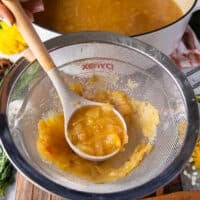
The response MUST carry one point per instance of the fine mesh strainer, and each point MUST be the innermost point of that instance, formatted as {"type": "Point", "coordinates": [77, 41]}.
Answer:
{"type": "Point", "coordinates": [27, 95]}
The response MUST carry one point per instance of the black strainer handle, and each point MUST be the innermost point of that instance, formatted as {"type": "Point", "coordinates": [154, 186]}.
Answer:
{"type": "Point", "coordinates": [193, 76]}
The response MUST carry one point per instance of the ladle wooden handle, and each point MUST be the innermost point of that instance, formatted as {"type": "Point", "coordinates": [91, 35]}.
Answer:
{"type": "Point", "coordinates": [30, 35]}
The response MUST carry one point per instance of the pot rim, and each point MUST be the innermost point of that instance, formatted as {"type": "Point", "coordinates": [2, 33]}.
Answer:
{"type": "Point", "coordinates": [140, 34]}
{"type": "Point", "coordinates": [172, 23]}
{"type": "Point", "coordinates": [137, 192]}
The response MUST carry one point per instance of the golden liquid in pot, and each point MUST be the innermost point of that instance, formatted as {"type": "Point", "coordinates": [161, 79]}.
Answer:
{"type": "Point", "coordinates": [128, 17]}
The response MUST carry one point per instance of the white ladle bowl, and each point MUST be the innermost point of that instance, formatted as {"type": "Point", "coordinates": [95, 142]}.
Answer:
{"type": "Point", "coordinates": [68, 100]}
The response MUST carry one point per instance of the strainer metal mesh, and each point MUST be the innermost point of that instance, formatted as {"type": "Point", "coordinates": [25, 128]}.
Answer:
{"type": "Point", "coordinates": [155, 85]}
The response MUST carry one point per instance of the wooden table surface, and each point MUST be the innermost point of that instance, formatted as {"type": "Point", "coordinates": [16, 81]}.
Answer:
{"type": "Point", "coordinates": [27, 191]}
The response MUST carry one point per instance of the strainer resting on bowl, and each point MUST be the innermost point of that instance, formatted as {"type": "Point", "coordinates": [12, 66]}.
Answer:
{"type": "Point", "coordinates": [127, 65]}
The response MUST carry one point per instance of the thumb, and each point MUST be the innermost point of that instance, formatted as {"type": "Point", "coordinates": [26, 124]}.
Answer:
{"type": "Point", "coordinates": [6, 15]}
{"type": "Point", "coordinates": [33, 5]}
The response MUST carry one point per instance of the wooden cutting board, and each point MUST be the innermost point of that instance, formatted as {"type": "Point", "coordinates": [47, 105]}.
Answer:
{"type": "Point", "coordinates": [27, 191]}
{"type": "Point", "coordinates": [183, 195]}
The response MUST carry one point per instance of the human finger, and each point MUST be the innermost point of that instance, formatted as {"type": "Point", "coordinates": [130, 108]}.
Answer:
{"type": "Point", "coordinates": [6, 15]}
{"type": "Point", "coordinates": [33, 6]}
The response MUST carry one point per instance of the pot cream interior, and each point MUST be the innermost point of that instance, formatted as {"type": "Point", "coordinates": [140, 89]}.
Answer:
{"type": "Point", "coordinates": [129, 17]}
{"type": "Point", "coordinates": [185, 5]}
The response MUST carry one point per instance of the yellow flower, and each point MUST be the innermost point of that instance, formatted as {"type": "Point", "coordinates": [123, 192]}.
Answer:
{"type": "Point", "coordinates": [196, 154]}
{"type": "Point", "coordinates": [11, 42]}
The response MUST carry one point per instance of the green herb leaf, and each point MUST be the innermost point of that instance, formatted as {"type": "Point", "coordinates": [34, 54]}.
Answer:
{"type": "Point", "coordinates": [6, 172]}
{"type": "Point", "coordinates": [1, 25]}
{"type": "Point", "coordinates": [24, 81]}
